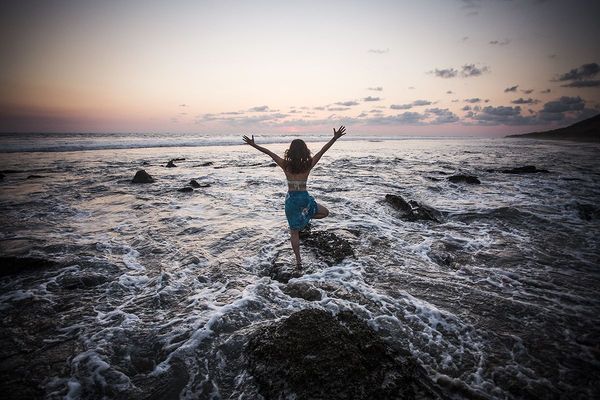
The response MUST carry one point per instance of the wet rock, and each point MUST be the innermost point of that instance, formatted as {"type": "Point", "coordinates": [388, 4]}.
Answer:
{"type": "Point", "coordinates": [15, 265]}
{"type": "Point", "coordinates": [527, 169]}
{"type": "Point", "coordinates": [35, 176]}
{"type": "Point", "coordinates": [178, 159]}
{"type": "Point", "coordinates": [10, 171]}
{"type": "Point", "coordinates": [145, 163]}
{"type": "Point", "coordinates": [464, 179]}
{"type": "Point", "coordinates": [412, 210]}
{"type": "Point", "coordinates": [81, 280]}
{"type": "Point", "coordinates": [314, 355]}
{"type": "Point", "coordinates": [588, 212]}
{"type": "Point", "coordinates": [142, 177]}
{"type": "Point", "coordinates": [283, 272]}
{"type": "Point", "coordinates": [272, 165]}
{"type": "Point", "coordinates": [205, 164]}
{"type": "Point", "coordinates": [185, 190]}
{"type": "Point", "coordinates": [171, 164]}
{"type": "Point", "coordinates": [302, 290]}
{"type": "Point", "coordinates": [194, 183]}
{"type": "Point", "coordinates": [329, 246]}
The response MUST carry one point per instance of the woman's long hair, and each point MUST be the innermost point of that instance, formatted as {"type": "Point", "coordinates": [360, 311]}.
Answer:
{"type": "Point", "coordinates": [297, 157]}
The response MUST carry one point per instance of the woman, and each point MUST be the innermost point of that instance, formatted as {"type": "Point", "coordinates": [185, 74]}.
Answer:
{"type": "Point", "coordinates": [300, 207]}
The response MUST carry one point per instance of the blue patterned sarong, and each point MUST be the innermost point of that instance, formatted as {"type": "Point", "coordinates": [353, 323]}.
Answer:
{"type": "Point", "coordinates": [300, 207]}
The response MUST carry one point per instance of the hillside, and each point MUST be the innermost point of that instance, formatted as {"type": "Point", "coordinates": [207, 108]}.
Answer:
{"type": "Point", "coordinates": [587, 130]}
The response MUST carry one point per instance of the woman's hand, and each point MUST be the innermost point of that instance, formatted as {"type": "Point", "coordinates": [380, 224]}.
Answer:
{"type": "Point", "coordinates": [340, 132]}
{"type": "Point", "coordinates": [248, 140]}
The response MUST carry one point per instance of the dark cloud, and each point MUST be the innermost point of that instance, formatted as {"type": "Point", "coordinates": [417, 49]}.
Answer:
{"type": "Point", "coordinates": [183, 105]}
{"type": "Point", "coordinates": [443, 115]}
{"type": "Point", "coordinates": [564, 104]}
{"type": "Point", "coordinates": [546, 91]}
{"type": "Point", "coordinates": [375, 111]}
{"type": "Point", "coordinates": [466, 71]}
{"type": "Point", "coordinates": [319, 108]}
{"type": "Point", "coordinates": [501, 115]}
{"type": "Point", "coordinates": [466, 108]}
{"type": "Point", "coordinates": [337, 108]}
{"type": "Point", "coordinates": [449, 92]}
{"type": "Point", "coordinates": [521, 100]}
{"type": "Point", "coordinates": [371, 98]}
{"type": "Point", "coordinates": [582, 84]}
{"type": "Point", "coordinates": [379, 51]}
{"type": "Point", "coordinates": [376, 88]}
{"type": "Point", "coordinates": [473, 100]}
{"type": "Point", "coordinates": [232, 113]}
{"type": "Point", "coordinates": [528, 91]}
{"type": "Point", "coordinates": [503, 42]}
{"type": "Point", "coordinates": [585, 72]}
{"type": "Point", "coordinates": [454, 101]}
{"type": "Point", "coordinates": [347, 103]}
{"type": "Point", "coordinates": [445, 73]}
{"type": "Point", "coordinates": [294, 112]}
{"type": "Point", "coordinates": [511, 89]}
{"type": "Point", "coordinates": [362, 115]}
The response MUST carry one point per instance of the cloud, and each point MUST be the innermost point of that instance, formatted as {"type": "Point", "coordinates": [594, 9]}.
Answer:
{"type": "Point", "coordinates": [379, 51]}
{"type": "Point", "coordinates": [501, 115]}
{"type": "Point", "coordinates": [464, 39]}
{"type": "Point", "coordinates": [376, 88]}
{"type": "Point", "coordinates": [401, 106]}
{"type": "Point", "coordinates": [470, 70]}
{"type": "Point", "coordinates": [411, 87]}
{"type": "Point", "coordinates": [466, 108]}
{"type": "Point", "coordinates": [371, 98]}
{"type": "Point", "coordinates": [449, 92]}
{"type": "Point", "coordinates": [521, 100]}
{"type": "Point", "coordinates": [337, 108]}
{"type": "Point", "coordinates": [546, 91]}
{"type": "Point", "coordinates": [466, 71]}
{"type": "Point", "coordinates": [586, 71]}
{"type": "Point", "coordinates": [565, 103]}
{"type": "Point", "coordinates": [528, 91]}
{"type": "Point", "coordinates": [407, 106]}
{"type": "Point", "coordinates": [511, 89]}
{"type": "Point", "coordinates": [259, 109]}
{"type": "Point", "coordinates": [319, 108]}
{"type": "Point", "coordinates": [362, 115]}
{"type": "Point", "coordinates": [582, 84]}
{"type": "Point", "coordinates": [473, 100]}
{"type": "Point", "coordinates": [445, 73]}
{"type": "Point", "coordinates": [443, 115]}
{"type": "Point", "coordinates": [347, 103]}
{"type": "Point", "coordinates": [503, 42]}
{"type": "Point", "coordinates": [183, 105]}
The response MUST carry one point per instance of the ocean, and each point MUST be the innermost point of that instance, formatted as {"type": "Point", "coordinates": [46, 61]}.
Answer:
{"type": "Point", "coordinates": [499, 299]}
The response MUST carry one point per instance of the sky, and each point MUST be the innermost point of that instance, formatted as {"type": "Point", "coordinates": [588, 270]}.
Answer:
{"type": "Point", "coordinates": [447, 67]}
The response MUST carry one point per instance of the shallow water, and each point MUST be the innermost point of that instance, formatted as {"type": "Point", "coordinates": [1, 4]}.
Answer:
{"type": "Point", "coordinates": [501, 299]}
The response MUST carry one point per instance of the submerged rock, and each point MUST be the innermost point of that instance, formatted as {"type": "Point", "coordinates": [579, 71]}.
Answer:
{"type": "Point", "coordinates": [142, 177]}
{"type": "Point", "coordinates": [328, 245]}
{"type": "Point", "coordinates": [171, 164]}
{"type": "Point", "coordinates": [315, 355]}
{"type": "Point", "coordinates": [464, 179]}
{"type": "Point", "coordinates": [302, 290]}
{"type": "Point", "coordinates": [185, 190]}
{"type": "Point", "coordinates": [528, 169]}
{"type": "Point", "coordinates": [588, 212]}
{"type": "Point", "coordinates": [194, 183]}
{"type": "Point", "coordinates": [412, 210]}
{"type": "Point", "coordinates": [35, 176]}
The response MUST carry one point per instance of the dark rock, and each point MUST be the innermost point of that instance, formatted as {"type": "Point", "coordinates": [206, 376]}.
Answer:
{"type": "Point", "coordinates": [272, 165]}
{"type": "Point", "coordinates": [302, 290]}
{"type": "Point", "coordinates": [464, 179]}
{"type": "Point", "coordinates": [283, 272]}
{"type": "Point", "coordinates": [330, 247]}
{"type": "Point", "coordinates": [412, 210]}
{"type": "Point", "coordinates": [35, 176]}
{"type": "Point", "coordinates": [194, 183]}
{"type": "Point", "coordinates": [314, 355]}
{"type": "Point", "coordinates": [588, 212]}
{"type": "Point", "coordinates": [178, 159]}
{"type": "Point", "coordinates": [185, 190]}
{"type": "Point", "coordinates": [1, 176]}
{"type": "Point", "coordinates": [205, 164]}
{"type": "Point", "coordinates": [527, 169]}
{"type": "Point", "coordinates": [15, 265]}
{"type": "Point", "coordinates": [431, 178]}
{"type": "Point", "coordinates": [81, 280]}
{"type": "Point", "coordinates": [142, 177]}
{"type": "Point", "coordinates": [10, 171]}
{"type": "Point", "coordinates": [145, 163]}
{"type": "Point", "coordinates": [171, 164]}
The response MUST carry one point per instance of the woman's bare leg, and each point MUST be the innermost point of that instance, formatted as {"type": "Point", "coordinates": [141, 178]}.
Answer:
{"type": "Point", "coordinates": [295, 239]}
{"type": "Point", "coordinates": [322, 212]}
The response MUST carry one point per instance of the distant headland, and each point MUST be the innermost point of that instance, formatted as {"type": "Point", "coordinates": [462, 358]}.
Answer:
{"type": "Point", "coordinates": [587, 130]}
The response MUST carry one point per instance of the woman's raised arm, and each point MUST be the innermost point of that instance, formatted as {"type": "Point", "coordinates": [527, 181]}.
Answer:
{"type": "Point", "coordinates": [336, 135]}
{"type": "Point", "coordinates": [274, 156]}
